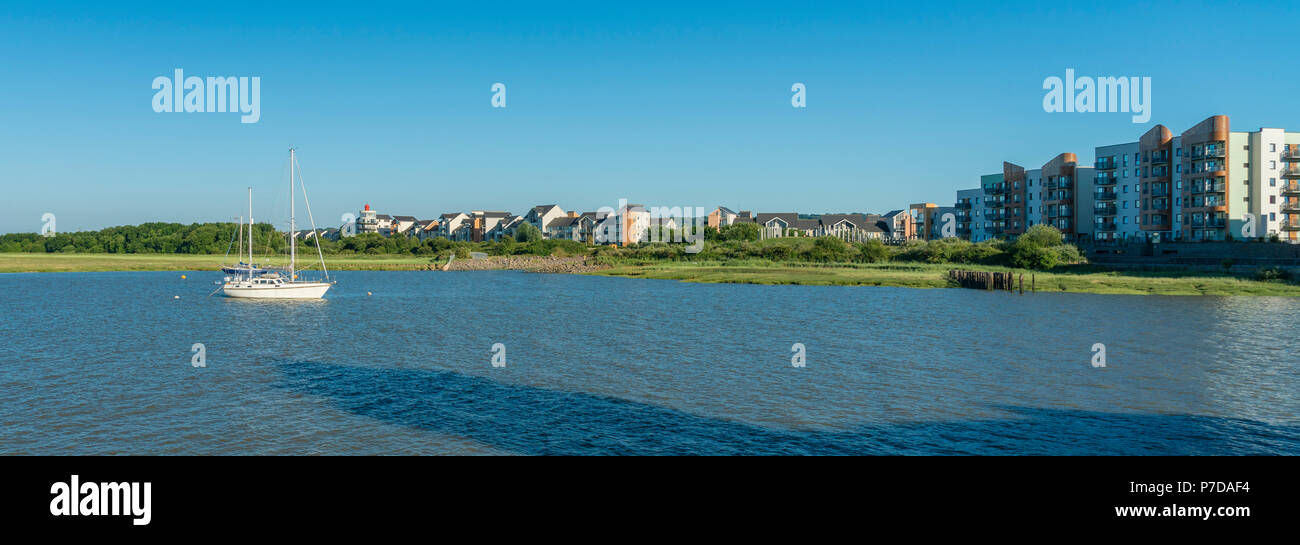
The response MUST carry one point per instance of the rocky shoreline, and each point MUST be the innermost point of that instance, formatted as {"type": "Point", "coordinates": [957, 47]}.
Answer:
{"type": "Point", "coordinates": [542, 264]}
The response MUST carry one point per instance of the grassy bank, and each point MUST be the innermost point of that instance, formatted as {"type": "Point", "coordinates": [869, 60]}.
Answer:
{"type": "Point", "coordinates": [1080, 279]}
{"type": "Point", "coordinates": [1075, 279]}
{"type": "Point", "coordinates": [23, 262]}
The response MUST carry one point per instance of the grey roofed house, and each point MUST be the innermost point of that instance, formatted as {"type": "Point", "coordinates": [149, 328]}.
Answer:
{"type": "Point", "coordinates": [405, 218]}
{"type": "Point", "coordinates": [844, 221]}
{"type": "Point", "coordinates": [562, 221]}
{"type": "Point", "coordinates": [790, 220]}
{"type": "Point", "coordinates": [807, 224]}
{"type": "Point", "coordinates": [744, 216]}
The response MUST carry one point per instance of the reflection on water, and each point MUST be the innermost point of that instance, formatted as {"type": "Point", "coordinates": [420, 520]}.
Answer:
{"type": "Point", "coordinates": [99, 363]}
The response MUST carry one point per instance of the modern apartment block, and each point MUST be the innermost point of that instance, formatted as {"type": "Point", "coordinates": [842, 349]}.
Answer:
{"type": "Point", "coordinates": [1274, 197]}
{"type": "Point", "coordinates": [970, 215]}
{"type": "Point", "coordinates": [1018, 199]}
{"type": "Point", "coordinates": [923, 220]}
{"type": "Point", "coordinates": [1116, 203]}
{"type": "Point", "coordinates": [1204, 184]}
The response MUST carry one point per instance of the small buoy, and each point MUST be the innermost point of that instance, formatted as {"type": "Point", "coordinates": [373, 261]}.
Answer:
{"type": "Point", "coordinates": [367, 293]}
{"type": "Point", "coordinates": [176, 297]}
{"type": "Point", "coordinates": [182, 277]}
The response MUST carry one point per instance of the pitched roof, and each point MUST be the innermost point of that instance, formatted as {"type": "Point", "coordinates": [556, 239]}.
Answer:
{"type": "Point", "coordinates": [858, 220]}
{"type": "Point", "coordinates": [726, 210]}
{"type": "Point", "coordinates": [562, 221]}
{"type": "Point", "coordinates": [791, 219]}
{"type": "Point", "coordinates": [383, 217]}
{"type": "Point", "coordinates": [544, 208]}
{"type": "Point", "coordinates": [405, 218]}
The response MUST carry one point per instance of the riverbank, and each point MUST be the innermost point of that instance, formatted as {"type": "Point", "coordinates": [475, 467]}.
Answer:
{"type": "Point", "coordinates": [1078, 279]}
{"type": "Point", "coordinates": [24, 262]}
{"type": "Point", "coordinates": [34, 262]}
{"type": "Point", "coordinates": [1084, 279]}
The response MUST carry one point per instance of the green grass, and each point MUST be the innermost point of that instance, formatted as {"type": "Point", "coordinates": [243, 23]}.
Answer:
{"type": "Point", "coordinates": [1079, 279]}
{"type": "Point", "coordinates": [25, 262]}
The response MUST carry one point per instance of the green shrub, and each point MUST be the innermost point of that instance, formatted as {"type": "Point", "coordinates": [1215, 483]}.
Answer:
{"type": "Point", "coordinates": [872, 251]}
{"type": "Point", "coordinates": [1272, 273]}
{"type": "Point", "coordinates": [1027, 255]}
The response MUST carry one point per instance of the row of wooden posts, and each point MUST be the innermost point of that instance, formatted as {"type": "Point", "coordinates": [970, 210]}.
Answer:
{"type": "Point", "coordinates": [986, 280]}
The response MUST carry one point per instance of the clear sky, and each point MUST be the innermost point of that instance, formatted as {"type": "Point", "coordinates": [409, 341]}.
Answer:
{"type": "Point", "coordinates": [666, 104]}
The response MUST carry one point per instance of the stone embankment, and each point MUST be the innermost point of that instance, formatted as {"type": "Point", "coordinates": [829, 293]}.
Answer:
{"type": "Point", "coordinates": [545, 264]}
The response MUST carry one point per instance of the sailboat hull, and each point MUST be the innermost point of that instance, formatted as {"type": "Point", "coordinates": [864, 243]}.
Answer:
{"type": "Point", "coordinates": [294, 290]}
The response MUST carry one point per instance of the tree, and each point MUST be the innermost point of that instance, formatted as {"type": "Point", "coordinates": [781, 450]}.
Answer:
{"type": "Point", "coordinates": [1042, 235]}
{"type": "Point", "coordinates": [740, 231]}
{"type": "Point", "coordinates": [527, 232]}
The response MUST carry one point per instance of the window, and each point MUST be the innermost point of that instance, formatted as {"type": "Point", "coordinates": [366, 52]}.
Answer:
{"type": "Point", "coordinates": [1271, 164]}
{"type": "Point", "coordinates": [1272, 216]}
{"type": "Point", "coordinates": [1272, 147]}
{"type": "Point", "coordinates": [1272, 182]}
{"type": "Point", "coordinates": [1272, 199]}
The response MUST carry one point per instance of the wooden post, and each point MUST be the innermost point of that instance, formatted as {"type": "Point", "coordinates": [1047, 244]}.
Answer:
{"type": "Point", "coordinates": [1033, 284]}
{"type": "Point", "coordinates": [1022, 283]}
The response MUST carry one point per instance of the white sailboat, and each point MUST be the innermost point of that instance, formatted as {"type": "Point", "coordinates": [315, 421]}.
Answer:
{"type": "Point", "coordinates": [280, 285]}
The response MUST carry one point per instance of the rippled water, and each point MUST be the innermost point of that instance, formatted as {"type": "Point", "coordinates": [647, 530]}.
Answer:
{"type": "Point", "coordinates": [100, 363]}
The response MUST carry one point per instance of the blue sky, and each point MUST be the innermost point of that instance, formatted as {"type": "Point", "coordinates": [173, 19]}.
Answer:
{"type": "Point", "coordinates": [673, 104]}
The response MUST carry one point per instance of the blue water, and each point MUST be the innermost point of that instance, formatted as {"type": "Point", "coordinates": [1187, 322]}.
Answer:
{"type": "Point", "coordinates": [100, 363]}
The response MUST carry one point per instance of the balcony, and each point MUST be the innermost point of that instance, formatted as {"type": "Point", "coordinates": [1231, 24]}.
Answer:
{"type": "Point", "coordinates": [1208, 187]}
{"type": "Point", "coordinates": [1291, 207]}
{"type": "Point", "coordinates": [1159, 172]}
{"type": "Point", "coordinates": [1107, 209]}
{"type": "Point", "coordinates": [1107, 163]}
{"type": "Point", "coordinates": [962, 205]}
{"type": "Point", "coordinates": [994, 189]}
{"type": "Point", "coordinates": [1210, 152]}
{"type": "Point", "coordinates": [1292, 188]}
{"type": "Point", "coordinates": [1160, 191]}
{"type": "Point", "coordinates": [1105, 180]}
{"type": "Point", "coordinates": [1105, 195]}
{"type": "Point", "coordinates": [1292, 154]}
{"type": "Point", "coordinates": [1291, 171]}
{"type": "Point", "coordinates": [1106, 226]}
{"type": "Point", "coordinates": [1160, 158]}
{"type": "Point", "coordinates": [1291, 226]}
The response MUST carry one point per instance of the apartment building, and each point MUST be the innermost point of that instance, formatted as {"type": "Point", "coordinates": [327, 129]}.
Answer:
{"type": "Point", "coordinates": [1274, 197]}
{"type": "Point", "coordinates": [1116, 205]}
{"type": "Point", "coordinates": [923, 218]}
{"type": "Point", "coordinates": [970, 217]}
{"type": "Point", "coordinates": [1204, 184]}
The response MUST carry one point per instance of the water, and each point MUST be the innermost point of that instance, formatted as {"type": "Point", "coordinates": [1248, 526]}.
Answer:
{"type": "Point", "coordinates": [100, 363]}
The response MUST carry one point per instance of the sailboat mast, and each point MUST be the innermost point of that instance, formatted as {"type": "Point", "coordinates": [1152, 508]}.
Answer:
{"type": "Point", "coordinates": [250, 232]}
{"type": "Point", "coordinates": [293, 239]}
